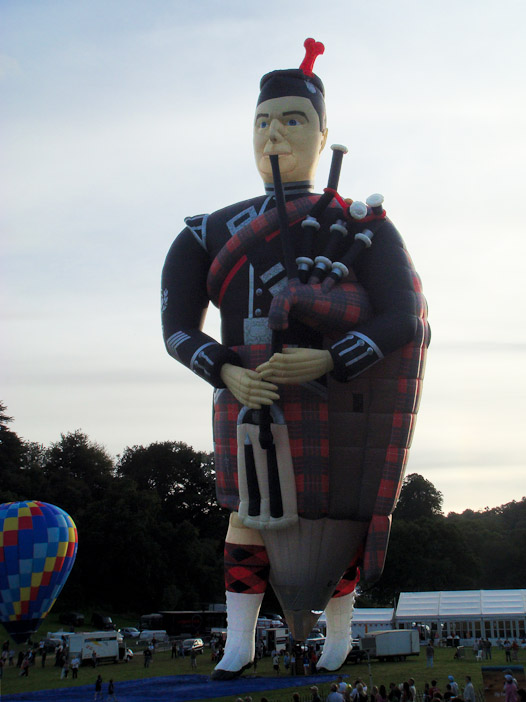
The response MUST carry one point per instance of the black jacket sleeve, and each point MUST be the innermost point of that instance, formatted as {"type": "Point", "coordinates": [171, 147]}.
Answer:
{"type": "Point", "coordinates": [387, 274]}
{"type": "Point", "coordinates": [184, 302]}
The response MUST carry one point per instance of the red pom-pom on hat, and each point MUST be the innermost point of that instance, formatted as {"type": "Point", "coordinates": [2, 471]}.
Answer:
{"type": "Point", "coordinates": [313, 49]}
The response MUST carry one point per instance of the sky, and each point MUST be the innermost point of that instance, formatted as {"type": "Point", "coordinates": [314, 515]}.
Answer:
{"type": "Point", "coordinates": [120, 118]}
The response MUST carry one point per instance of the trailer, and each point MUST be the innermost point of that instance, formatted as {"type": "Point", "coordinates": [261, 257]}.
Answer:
{"type": "Point", "coordinates": [107, 645]}
{"type": "Point", "coordinates": [394, 644]}
{"type": "Point", "coordinates": [274, 639]}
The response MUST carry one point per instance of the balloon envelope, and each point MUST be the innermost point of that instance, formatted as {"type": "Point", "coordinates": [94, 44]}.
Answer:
{"type": "Point", "coordinates": [38, 545]}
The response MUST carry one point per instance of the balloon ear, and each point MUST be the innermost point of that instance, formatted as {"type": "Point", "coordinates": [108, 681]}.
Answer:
{"type": "Point", "coordinates": [325, 134]}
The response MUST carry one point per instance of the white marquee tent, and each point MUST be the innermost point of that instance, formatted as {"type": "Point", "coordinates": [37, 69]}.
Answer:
{"type": "Point", "coordinates": [487, 613]}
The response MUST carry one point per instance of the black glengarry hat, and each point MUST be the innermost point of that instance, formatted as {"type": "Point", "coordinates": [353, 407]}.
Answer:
{"type": "Point", "coordinates": [298, 81]}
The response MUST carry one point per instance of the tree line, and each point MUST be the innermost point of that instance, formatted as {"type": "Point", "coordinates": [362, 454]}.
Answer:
{"type": "Point", "coordinates": [151, 533]}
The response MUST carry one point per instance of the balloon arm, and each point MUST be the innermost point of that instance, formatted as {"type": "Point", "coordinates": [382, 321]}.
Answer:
{"type": "Point", "coordinates": [248, 386]}
{"type": "Point", "coordinates": [385, 272]}
{"type": "Point", "coordinates": [296, 366]}
{"type": "Point", "coordinates": [184, 304]}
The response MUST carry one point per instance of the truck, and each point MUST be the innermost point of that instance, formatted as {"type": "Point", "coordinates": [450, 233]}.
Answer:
{"type": "Point", "coordinates": [274, 639]}
{"type": "Point", "coordinates": [393, 644]}
{"type": "Point", "coordinates": [108, 645]}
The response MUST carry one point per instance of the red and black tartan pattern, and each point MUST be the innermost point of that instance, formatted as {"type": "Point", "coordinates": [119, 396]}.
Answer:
{"type": "Point", "coordinates": [246, 568]}
{"type": "Point", "coordinates": [410, 377]}
{"type": "Point", "coordinates": [348, 581]}
{"type": "Point", "coordinates": [376, 546]}
{"type": "Point", "coordinates": [331, 313]}
{"type": "Point", "coordinates": [306, 416]}
{"type": "Point", "coordinates": [232, 253]}
{"type": "Point", "coordinates": [307, 420]}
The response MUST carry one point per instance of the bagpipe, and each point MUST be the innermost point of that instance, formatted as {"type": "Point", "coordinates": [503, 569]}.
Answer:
{"type": "Point", "coordinates": [320, 292]}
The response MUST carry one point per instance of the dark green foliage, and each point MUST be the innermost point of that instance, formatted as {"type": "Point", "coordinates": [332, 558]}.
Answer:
{"type": "Point", "coordinates": [182, 478]}
{"type": "Point", "coordinates": [498, 537]}
{"type": "Point", "coordinates": [11, 451]}
{"type": "Point", "coordinates": [419, 498]}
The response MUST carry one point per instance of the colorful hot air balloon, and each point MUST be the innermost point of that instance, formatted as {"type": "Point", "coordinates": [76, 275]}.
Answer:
{"type": "Point", "coordinates": [38, 545]}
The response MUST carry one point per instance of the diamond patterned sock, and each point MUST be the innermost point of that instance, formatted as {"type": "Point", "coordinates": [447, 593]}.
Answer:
{"type": "Point", "coordinates": [246, 568]}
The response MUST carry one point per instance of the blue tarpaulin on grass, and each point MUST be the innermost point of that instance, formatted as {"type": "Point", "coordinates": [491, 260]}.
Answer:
{"type": "Point", "coordinates": [172, 688]}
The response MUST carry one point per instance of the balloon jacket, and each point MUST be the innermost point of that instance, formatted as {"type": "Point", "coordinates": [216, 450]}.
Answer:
{"type": "Point", "coordinates": [349, 432]}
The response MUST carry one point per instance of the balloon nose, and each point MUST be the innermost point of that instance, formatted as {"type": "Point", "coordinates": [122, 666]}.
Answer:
{"type": "Point", "coordinates": [275, 131]}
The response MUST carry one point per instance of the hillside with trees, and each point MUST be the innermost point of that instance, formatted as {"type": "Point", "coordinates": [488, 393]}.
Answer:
{"type": "Point", "coordinates": [151, 533]}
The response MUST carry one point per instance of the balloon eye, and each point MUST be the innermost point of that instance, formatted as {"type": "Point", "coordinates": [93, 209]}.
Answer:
{"type": "Point", "coordinates": [263, 124]}
{"type": "Point", "coordinates": [292, 123]}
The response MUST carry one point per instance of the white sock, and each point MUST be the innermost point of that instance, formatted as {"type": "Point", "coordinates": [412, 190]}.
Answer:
{"type": "Point", "coordinates": [242, 614]}
{"type": "Point", "coordinates": [338, 642]}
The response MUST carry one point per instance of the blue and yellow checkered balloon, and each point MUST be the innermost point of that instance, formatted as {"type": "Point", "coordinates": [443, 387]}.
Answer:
{"type": "Point", "coordinates": [38, 545]}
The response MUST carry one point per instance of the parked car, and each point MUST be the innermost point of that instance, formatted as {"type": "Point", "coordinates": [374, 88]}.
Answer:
{"type": "Point", "coordinates": [102, 622]}
{"type": "Point", "coordinates": [147, 635]}
{"type": "Point", "coordinates": [130, 632]}
{"type": "Point", "coordinates": [72, 618]}
{"type": "Point", "coordinates": [190, 645]}
{"type": "Point", "coordinates": [356, 654]}
{"type": "Point", "coordinates": [267, 623]}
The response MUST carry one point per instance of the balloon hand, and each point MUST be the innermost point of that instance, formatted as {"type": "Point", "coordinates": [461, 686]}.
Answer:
{"type": "Point", "coordinates": [295, 366]}
{"type": "Point", "coordinates": [248, 386]}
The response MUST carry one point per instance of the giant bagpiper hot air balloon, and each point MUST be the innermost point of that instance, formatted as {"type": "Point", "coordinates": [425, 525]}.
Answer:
{"type": "Point", "coordinates": [317, 375]}
{"type": "Point", "coordinates": [38, 545]}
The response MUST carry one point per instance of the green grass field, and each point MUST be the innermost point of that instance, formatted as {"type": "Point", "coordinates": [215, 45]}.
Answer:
{"type": "Point", "coordinates": [163, 665]}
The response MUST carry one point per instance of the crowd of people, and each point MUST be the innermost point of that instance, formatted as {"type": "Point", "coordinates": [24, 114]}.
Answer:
{"type": "Point", "coordinates": [27, 659]}
{"type": "Point", "coordinates": [450, 691]}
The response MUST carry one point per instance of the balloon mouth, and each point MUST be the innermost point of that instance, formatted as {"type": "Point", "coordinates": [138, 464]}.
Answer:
{"type": "Point", "coordinates": [20, 631]}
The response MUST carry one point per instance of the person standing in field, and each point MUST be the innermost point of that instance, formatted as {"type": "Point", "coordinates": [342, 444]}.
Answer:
{"type": "Point", "coordinates": [111, 690]}
{"type": "Point", "coordinates": [430, 655]}
{"type": "Point", "coordinates": [98, 688]}
{"type": "Point", "coordinates": [469, 690]}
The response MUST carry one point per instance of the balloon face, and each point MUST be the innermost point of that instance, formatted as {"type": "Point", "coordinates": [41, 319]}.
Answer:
{"type": "Point", "coordinates": [38, 545]}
